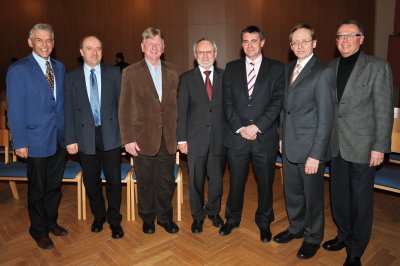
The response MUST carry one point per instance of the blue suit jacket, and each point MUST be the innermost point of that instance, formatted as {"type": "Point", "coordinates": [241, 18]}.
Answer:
{"type": "Point", "coordinates": [35, 117]}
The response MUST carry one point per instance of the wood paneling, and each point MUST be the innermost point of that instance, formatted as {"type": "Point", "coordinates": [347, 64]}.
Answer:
{"type": "Point", "coordinates": [119, 25]}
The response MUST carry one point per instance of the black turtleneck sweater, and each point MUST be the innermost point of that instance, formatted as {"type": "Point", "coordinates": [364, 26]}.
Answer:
{"type": "Point", "coordinates": [346, 65]}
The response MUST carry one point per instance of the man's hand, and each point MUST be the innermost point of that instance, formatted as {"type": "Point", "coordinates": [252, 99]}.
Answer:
{"type": "Point", "coordinates": [376, 158]}
{"type": "Point", "coordinates": [311, 166]}
{"type": "Point", "coordinates": [132, 148]}
{"type": "Point", "coordinates": [183, 148]}
{"type": "Point", "coordinates": [72, 148]}
{"type": "Point", "coordinates": [22, 152]}
{"type": "Point", "coordinates": [249, 132]}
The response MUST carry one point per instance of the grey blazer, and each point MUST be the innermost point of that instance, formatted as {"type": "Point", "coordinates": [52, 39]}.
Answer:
{"type": "Point", "coordinates": [308, 111]}
{"type": "Point", "coordinates": [79, 122]}
{"type": "Point", "coordinates": [364, 115]}
{"type": "Point", "coordinates": [201, 122]}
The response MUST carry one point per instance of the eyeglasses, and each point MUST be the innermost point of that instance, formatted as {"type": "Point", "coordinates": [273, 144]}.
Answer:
{"type": "Point", "coordinates": [203, 53]}
{"type": "Point", "coordinates": [341, 37]}
{"type": "Point", "coordinates": [303, 42]}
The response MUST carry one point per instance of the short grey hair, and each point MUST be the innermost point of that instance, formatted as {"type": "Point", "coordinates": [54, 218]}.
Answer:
{"type": "Point", "coordinates": [205, 39]}
{"type": "Point", "coordinates": [41, 26]}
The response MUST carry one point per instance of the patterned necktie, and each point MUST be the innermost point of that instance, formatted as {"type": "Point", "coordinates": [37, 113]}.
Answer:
{"type": "Point", "coordinates": [94, 98]}
{"type": "Point", "coordinates": [296, 72]}
{"type": "Point", "coordinates": [50, 76]}
{"type": "Point", "coordinates": [208, 84]}
{"type": "Point", "coordinates": [251, 80]}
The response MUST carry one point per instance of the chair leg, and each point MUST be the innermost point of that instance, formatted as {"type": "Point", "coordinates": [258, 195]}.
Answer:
{"type": "Point", "coordinates": [83, 202]}
{"type": "Point", "coordinates": [14, 189]}
{"type": "Point", "coordinates": [281, 170]}
{"type": "Point", "coordinates": [79, 191]}
{"type": "Point", "coordinates": [128, 199]}
{"type": "Point", "coordinates": [179, 199]}
{"type": "Point", "coordinates": [133, 203]}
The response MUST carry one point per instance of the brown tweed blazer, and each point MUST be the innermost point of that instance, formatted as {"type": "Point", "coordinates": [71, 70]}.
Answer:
{"type": "Point", "coordinates": [142, 117]}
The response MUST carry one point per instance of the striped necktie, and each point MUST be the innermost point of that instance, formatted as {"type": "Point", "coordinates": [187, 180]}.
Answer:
{"type": "Point", "coordinates": [251, 79]}
{"type": "Point", "coordinates": [94, 98]}
{"type": "Point", "coordinates": [296, 72]}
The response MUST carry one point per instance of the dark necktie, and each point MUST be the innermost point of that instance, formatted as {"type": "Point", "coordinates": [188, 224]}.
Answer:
{"type": "Point", "coordinates": [208, 84]}
{"type": "Point", "coordinates": [251, 79]}
{"type": "Point", "coordinates": [94, 98]}
{"type": "Point", "coordinates": [50, 76]}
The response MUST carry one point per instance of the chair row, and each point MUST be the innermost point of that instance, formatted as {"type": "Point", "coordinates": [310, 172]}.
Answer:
{"type": "Point", "coordinates": [13, 171]}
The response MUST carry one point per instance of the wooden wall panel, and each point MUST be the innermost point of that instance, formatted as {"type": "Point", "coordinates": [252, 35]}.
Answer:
{"type": "Point", "coordinates": [120, 23]}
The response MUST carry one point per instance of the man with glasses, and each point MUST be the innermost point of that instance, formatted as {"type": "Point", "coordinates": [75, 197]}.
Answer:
{"type": "Point", "coordinates": [148, 114]}
{"type": "Point", "coordinates": [200, 133]}
{"type": "Point", "coordinates": [307, 120]}
{"type": "Point", "coordinates": [253, 90]}
{"type": "Point", "coordinates": [361, 137]}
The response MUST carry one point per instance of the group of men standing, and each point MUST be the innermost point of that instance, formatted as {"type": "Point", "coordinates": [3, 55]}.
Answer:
{"type": "Point", "coordinates": [341, 112]}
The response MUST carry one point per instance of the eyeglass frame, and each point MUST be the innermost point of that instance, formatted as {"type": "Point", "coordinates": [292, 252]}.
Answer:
{"type": "Point", "coordinates": [297, 43]}
{"type": "Point", "coordinates": [352, 36]}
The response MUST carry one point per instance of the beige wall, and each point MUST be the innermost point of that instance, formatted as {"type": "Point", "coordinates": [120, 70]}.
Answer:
{"type": "Point", "coordinates": [384, 24]}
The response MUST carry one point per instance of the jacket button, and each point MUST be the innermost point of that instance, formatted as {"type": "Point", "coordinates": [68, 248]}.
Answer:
{"type": "Point", "coordinates": [288, 113]}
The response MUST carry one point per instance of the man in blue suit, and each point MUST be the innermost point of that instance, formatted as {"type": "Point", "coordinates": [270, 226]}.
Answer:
{"type": "Point", "coordinates": [92, 131]}
{"type": "Point", "coordinates": [36, 116]}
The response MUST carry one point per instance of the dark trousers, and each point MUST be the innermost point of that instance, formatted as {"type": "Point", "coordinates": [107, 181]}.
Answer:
{"type": "Point", "coordinates": [304, 196]}
{"type": "Point", "coordinates": [110, 162]}
{"type": "Point", "coordinates": [264, 171]}
{"type": "Point", "coordinates": [199, 166]}
{"type": "Point", "coordinates": [44, 191]}
{"type": "Point", "coordinates": [156, 185]}
{"type": "Point", "coordinates": [352, 192]}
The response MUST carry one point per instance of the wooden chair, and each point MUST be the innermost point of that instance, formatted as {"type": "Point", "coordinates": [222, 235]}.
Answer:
{"type": "Point", "coordinates": [179, 187]}
{"type": "Point", "coordinates": [16, 172]}
{"type": "Point", "coordinates": [126, 176]}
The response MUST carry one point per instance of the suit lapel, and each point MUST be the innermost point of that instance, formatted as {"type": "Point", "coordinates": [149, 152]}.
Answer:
{"type": "Point", "coordinates": [355, 73]}
{"type": "Point", "coordinates": [198, 78]}
{"type": "Point", "coordinates": [303, 73]}
{"type": "Point", "coordinates": [37, 71]}
{"type": "Point", "coordinates": [261, 76]}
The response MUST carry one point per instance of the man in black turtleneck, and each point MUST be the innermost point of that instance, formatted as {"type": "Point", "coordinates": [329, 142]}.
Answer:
{"type": "Point", "coordinates": [361, 137]}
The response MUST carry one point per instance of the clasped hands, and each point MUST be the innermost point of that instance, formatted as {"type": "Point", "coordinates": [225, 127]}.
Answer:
{"type": "Point", "coordinates": [249, 132]}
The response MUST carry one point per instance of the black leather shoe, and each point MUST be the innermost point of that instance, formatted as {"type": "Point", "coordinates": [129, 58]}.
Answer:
{"type": "Point", "coordinates": [352, 261]}
{"type": "Point", "coordinates": [307, 250]}
{"type": "Point", "coordinates": [170, 227]}
{"type": "Point", "coordinates": [116, 231]}
{"type": "Point", "coordinates": [286, 236]}
{"type": "Point", "coordinates": [58, 231]}
{"type": "Point", "coordinates": [97, 225]}
{"type": "Point", "coordinates": [265, 234]}
{"type": "Point", "coordinates": [197, 226]}
{"type": "Point", "coordinates": [148, 228]}
{"type": "Point", "coordinates": [226, 229]}
{"type": "Point", "coordinates": [216, 220]}
{"type": "Point", "coordinates": [44, 242]}
{"type": "Point", "coordinates": [334, 244]}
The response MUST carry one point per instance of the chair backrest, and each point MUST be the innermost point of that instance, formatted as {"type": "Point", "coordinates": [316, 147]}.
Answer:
{"type": "Point", "coordinates": [5, 142]}
{"type": "Point", "coordinates": [396, 131]}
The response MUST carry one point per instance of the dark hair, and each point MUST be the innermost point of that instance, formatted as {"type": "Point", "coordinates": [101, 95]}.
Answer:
{"type": "Point", "coordinates": [302, 26]}
{"type": "Point", "coordinates": [120, 55]}
{"type": "Point", "coordinates": [253, 29]}
{"type": "Point", "coordinates": [352, 21]}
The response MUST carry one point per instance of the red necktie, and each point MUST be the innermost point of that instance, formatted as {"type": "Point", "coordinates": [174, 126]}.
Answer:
{"type": "Point", "coordinates": [208, 84]}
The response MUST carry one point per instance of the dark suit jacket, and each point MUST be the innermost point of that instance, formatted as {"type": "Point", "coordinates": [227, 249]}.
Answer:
{"type": "Point", "coordinates": [262, 109]}
{"type": "Point", "coordinates": [200, 122]}
{"type": "Point", "coordinates": [143, 119]}
{"type": "Point", "coordinates": [364, 117]}
{"type": "Point", "coordinates": [36, 118]}
{"type": "Point", "coordinates": [308, 111]}
{"type": "Point", "coordinates": [79, 121]}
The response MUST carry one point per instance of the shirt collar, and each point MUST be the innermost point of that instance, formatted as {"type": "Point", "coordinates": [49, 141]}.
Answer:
{"type": "Point", "coordinates": [40, 60]}
{"type": "Point", "coordinates": [305, 60]}
{"type": "Point", "coordinates": [255, 61]}
{"type": "Point", "coordinates": [88, 68]}
{"type": "Point", "coordinates": [203, 69]}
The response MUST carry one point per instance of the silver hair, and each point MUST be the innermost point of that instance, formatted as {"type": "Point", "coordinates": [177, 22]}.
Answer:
{"type": "Point", "coordinates": [205, 39]}
{"type": "Point", "coordinates": [41, 26]}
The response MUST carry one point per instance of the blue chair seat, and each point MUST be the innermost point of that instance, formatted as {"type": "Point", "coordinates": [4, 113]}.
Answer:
{"type": "Point", "coordinates": [125, 167]}
{"type": "Point", "coordinates": [388, 176]}
{"type": "Point", "coordinates": [71, 170]}
{"type": "Point", "coordinates": [394, 156]}
{"type": "Point", "coordinates": [14, 169]}
{"type": "Point", "coordinates": [279, 158]}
